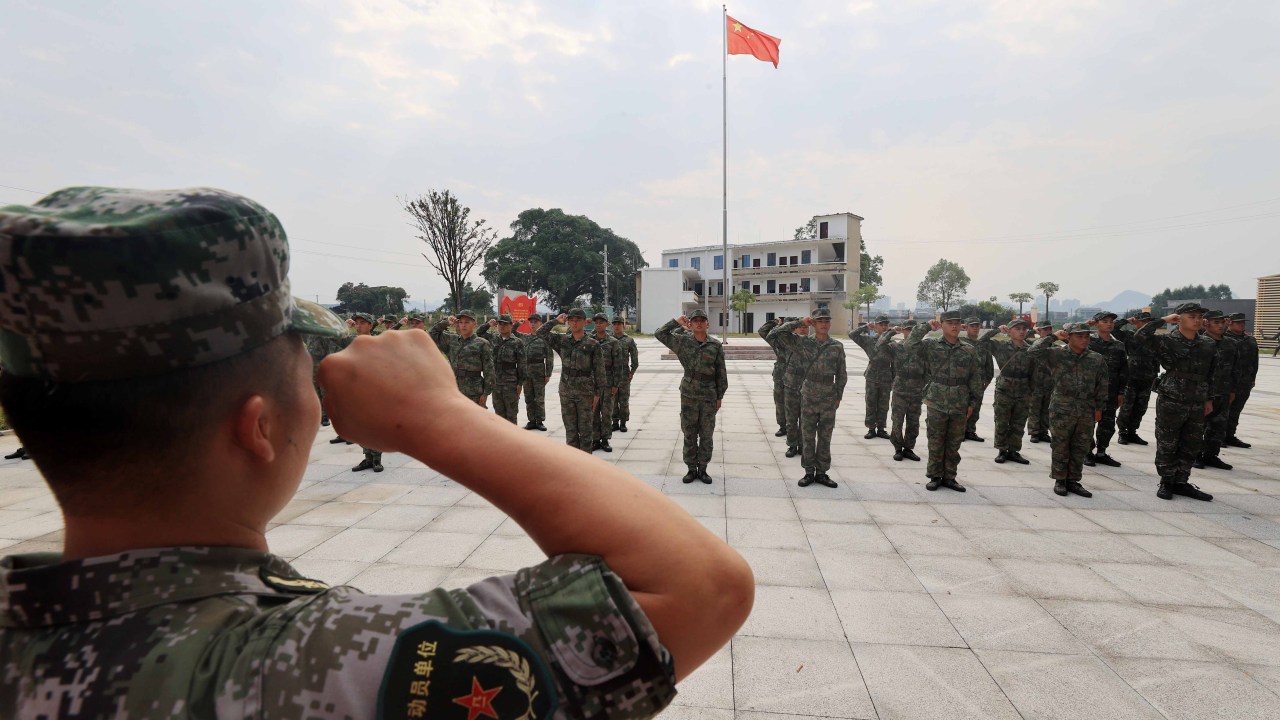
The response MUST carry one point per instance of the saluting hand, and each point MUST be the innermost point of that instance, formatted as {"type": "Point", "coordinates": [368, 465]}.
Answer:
{"type": "Point", "coordinates": [1004, 329]}
{"type": "Point", "coordinates": [1061, 335]}
{"type": "Point", "coordinates": [935, 325]}
{"type": "Point", "coordinates": [561, 318]}
{"type": "Point", "coordinates": [493, 323]}
{"type": "Point", "coordinates": [452, 321]}
{"type": "Point", "coordinates": [1172, 319]}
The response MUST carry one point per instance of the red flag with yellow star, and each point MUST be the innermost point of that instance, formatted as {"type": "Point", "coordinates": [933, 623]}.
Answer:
{"type": "Point", "coordinates": [745, 41]}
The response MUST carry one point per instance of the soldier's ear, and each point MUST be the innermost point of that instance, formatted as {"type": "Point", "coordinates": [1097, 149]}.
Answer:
{"type": "Point", "coordinates": [255, 429]}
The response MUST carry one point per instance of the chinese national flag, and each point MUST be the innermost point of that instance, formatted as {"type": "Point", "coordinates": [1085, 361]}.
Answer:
{"type": "Point", "coordinates": [745, 41]}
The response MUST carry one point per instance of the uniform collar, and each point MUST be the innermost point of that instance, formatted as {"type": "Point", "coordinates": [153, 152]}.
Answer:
{"type": "Point", "coordinates": [40, 590]}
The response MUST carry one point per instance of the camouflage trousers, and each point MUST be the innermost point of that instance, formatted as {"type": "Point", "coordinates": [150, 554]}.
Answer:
{"type": "Point", "coordinates": [1072, 437]}
{"type": "Point", "coordinates": [1107, 425]}
{"type": "Point", "coordinates": [878, 392]}
{"type": "Point", "coordinates": [906, 418]}
{"type": "Point", "coordinates": [972, 425]}
{"type": "Point", "coordinates": [535, 399]}
{"type": "Point", "coordinates": [793, 403]}
{"type": "Point", "coordinates": [1038, 412]}
{"type": "Point", "coordinates": [946, 433]}
{"type": "Point", "coordinates": [602, 418]}
{"type": "Point", "coordinates": [622, 402]}
{"type": "Point", "coordinates": [575, 411]}
{"type": "Point", "coordinates": [374, 456]}
{"type": "Point", "coordinates": [817, 420]}
{"type": "Point", "coordinates": [1215, 425]}
{"type": "Point", "coordinates": [1237, 407]}
{"type": "Point", "coordinates": [1179, 437]}
{"type": "Point", "coordinates": [1137, 394]}
{"type": "Point", "coordinates": [506, 401]}
{"type": "Point", "coordinates": [780, 403]}
{"type": "Point", "coordinates": [1011, 412]}
{"type": "Point", "coordinates": [698, 423]}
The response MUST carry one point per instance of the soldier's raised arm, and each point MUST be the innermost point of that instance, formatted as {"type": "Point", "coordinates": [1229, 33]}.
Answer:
{"type": "Point", "coordinates": [862, 336]}
{"type": "Point", "coordinates": [885, 338]}
{"type": "Point", "coordinates": [437, 333]}
{"type": "Point", "coordinates": [666, 334]}
{"type": "Point", "coordinates": [768, 325]}
{"type": "Point", "coordinates": [553, 339]}
{"type": "Point", "coordinates": [785, 335]}
{"type": "Point", "coordinates": [1042, 349]}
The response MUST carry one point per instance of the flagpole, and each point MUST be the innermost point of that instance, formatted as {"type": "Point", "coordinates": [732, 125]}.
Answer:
{"type": "Point", "coordinates": [724, 221]}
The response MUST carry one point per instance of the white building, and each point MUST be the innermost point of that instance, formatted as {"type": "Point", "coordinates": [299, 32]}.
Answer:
{"type": "Point", "coordinates": [787, 278]}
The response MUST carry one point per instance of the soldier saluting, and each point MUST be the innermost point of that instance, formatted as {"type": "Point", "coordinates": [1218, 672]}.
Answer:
{"type": "Point", "coordinates": [824, 380]}
{"type": "Point", "coordinates": [582, 377]}
{"type": "Point", "coordinates": [510, 364]}
{"type": "Point", "coordinates": [878, 375]}
{"type": "Point", "coordinates": [954, 388]}
{"type": "Point", "coordinates": [908, 393]}
{"type": "Point", "coordinates": [630, 353]}
{"type": "Point", "coordinates": [1080, 390]}
{"type": "Point", "coordinates": [1113, 352]}
{"type": "Point", "coordinates": [779, 376]}
{"type": "Point", "coordinates": [1246, 375]}
{"type": "Point", "coordinates": [1013, 388]}
{"type": "Point", "coordinates": [701, 390]}
{"type": "Point", "coordinates": [1143, 368]}
{"type": "Point", "coordinates": [540, 363]}
{"type": "Point", "coordinates": [470, 355]}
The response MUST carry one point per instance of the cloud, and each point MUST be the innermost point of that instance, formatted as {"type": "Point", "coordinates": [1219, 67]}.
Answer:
{"type": "Point", "coordinates": [859, 7]}
{"type": "Point", "coordinates": [1027, 28]}
{"type": "Point", "coordinates": [679, 58]}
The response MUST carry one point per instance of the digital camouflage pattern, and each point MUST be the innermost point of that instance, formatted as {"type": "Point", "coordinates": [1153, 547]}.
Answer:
{"type": "Point", "coordinates": [1117, 359]}
{"type": "Point", "coordinates": [540, 363]}
{"type": "Point", "coordinates": [1222, 383]}
{"type": "Point", "coordinates": [631, 353]}
{"type": "Point", "coordinates": [1080, 389]}
{"type": "Point", "coordinates": [471, 358]}
{"type": "Point", "coordinates": [988, 372]}
{"type": "Point", "coordinates": [582, 380]}
{"type": "Point", "coordinates": [611, 352]}
{"type": "Point", "coordinates": [236, 633]}
{"type": "Point", "coordinates": [878, 377]}
{"type": "Point", "coordinates": [704, 384]}
{"type": "Point", "coordinates": [1038, 402]}
{"type": "Point", "coordinates": [779, 373]}
{"type": "Point", "coordinates": [106, 283]}
{"type": "Point", "coordinates": [1013, 389]}
{"type": "Point", "coordinates": [511, 367]}
{"type": "Point", "coordinates": [1142, 371]}
{"type": "Point", "coordinates": [1183, 390]}
{"type": "Point", "coordinates": [824, 382]}
{"type": "Point", "coordinates": [908, 392]}
{"type": "Point", "coordinates": [792, 382]}
{"type": "Point", "coordinates": [1246, 376]}
{"type": "Point", "coordinates": [953, 385]}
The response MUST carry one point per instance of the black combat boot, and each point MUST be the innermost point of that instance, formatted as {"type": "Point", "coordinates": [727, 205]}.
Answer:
{"type": "Point", "coordinates": [1046, 437]}
{"type": "Point", "coordinates": [880, 433]}
{"type": "Point", "coordinates": [1123, 438]}
{"type": "Point", "coordinates": [531, 425]}
{"type": "Point", "coordinates": [807, 480]}
{"type": "Point", "coordinates": [365, 464]}
{"type": "Point", "coordinates": [1199, 462]}
{"type": "Point", "coordinates": [377, 466]}
{"type": "Point", "coordinates": [910, 454]}
{"type": "Point", "coordinates": [324, 421]}
{"type": "Point", "coordinates": [951, 483]}
{"type": "Point", "coordinates": [1001, 457]}
{"type": "Point", "coordinates": [703, 476]}
{"type": "Point", "coordinates": [605, 446]}
{"type": "Point", "coordinates": [1016, 456]}
{"type": "Point", "coordinates": [595, 445]}
{"type": "Point", "coordinates": [824, 479]}
{"type": "Point", "coordinates": [1186, 489]}
{"type": "Point", "coordinates": [933, 484]}
{"type": "Point", "coordinates": [1088, 459]}
{"type": "Point", "coordinates": [1060, 487]}
{"type": "Point", "coordinates": [897, 453]}
{"type": "Point", "coordinates": [871, 434]}
{"type": "Point", "coordinates": [1165, 491]}
{"type": "Point", "coordinates": [1074, 486]}
{"type": "Point", "coordinates": [622, 426]}
{"type": "Point", "coordinates": [1105, 459]}
{"type": "Point", "coordinates": [19, 454]}
{"type": "Point", "coordinates": [692, 475]}
{"type": "Point", "coordinates": [541, 426]}
{"type": "Point", "coordinates": [1213, 461]}
{"type": "Point", "coordinates": [1236, 442]}
{"type": "Point", "coordinates": [1034, 437]}
{"type": "Point", "coordinates": [792, 451]}
{"type": "Point", "coordinates": [974, 437]}
{"type": "Point", "coordinates": [1133, 438]}
{"type": "Point", "coordinates": [336, 439]}
{"type": "Point", "coordinates": [782, 432]}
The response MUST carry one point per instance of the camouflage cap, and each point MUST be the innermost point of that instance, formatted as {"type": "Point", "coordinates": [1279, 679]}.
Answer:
{"type": "Point", "coordinates": [1236, 317]}
{"type": "Point", "coordinates": [1103, 315]}
{"type": "Point", "coordinates": [465, 314]}
{"type": "Point", "coordinates": [1214, 315]}
{"type": "Point", "coordinates": [1188, 307]}
{"type": "Point", "coordinates": [362, 316]}
{"type": "Point", "coordinates": [972, 321]}
{"type": "Point", "coordinates": [414, 315]}
{"type": "Point", "coordinates": [504, 318]}
{"type": "Point", "coordinates": [577, 313]}
{"type": "Point", "coordinates": [882, 318]}
{"type": "Point", "coordinates": [699, 313]}
{"type": "Point", "coordinates": [536, 318]}
{"type": "Point", "coordinates": [951, 315]}
{"type": "Point", "coordinates": [1077, 328]}
{"type": "Point", "coordinates": [909, 324]}
{"type": "Point", "coordinates": [107, 284]}
{"type": "Point", "coordinates": [600, 317]}
{"type": "Point", "coordinates": [1018, 323]}
{"type": "Point", "coordinates": [821, 314]}
{"type": "Point", "coordinates": [619, 321]}
{"type": "Point", "coordinates": [1144, 315]}
{"type": "Point", "coordinates": [1044, 325]}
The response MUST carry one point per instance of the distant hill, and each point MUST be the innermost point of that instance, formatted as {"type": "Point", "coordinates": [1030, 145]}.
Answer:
{"type": "Point", "coordinates": [1127, 300]}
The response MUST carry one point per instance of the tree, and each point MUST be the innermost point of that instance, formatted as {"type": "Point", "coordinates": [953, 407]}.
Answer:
{"type": "Point", "coordinates": [558, 256]}
{"type": "Point", "coordinates": [869, 272]}
{"type": "Point", "coordinates": [473, 298]}
{"type": "Point", "coordinates": [944, 284]}
{"type": "Point", "coordinates": [863, 296]}
{"type": "Point", "coordinates": [739, 301]}
{"type": "Point", "coordinates": [457, 243]}
{"type": "Point", "coordinates": [1049, 289]}
{"type": "Point", "coordinates": [807, 231]}
{"type": "Point", "coordinates": [379, 300]}
{"type": "Point", "coordinates": [1161, 300]}
{"type": "Point", "coordinates": [1021, 298]}
{"type": "Point", "coordinates": [986, 310]}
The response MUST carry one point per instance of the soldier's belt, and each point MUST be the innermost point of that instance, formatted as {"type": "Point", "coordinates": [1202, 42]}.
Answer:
{"type": "Point", "coordinates": [823, 378]}
{"type": "Point", "coordinates": [576, 373]}
{"type": "Point", "coordinates": [950, 382]}
{"type": "Point", "coordinates": [508, 365]}
{"type": "Point", "coordinates": [1185, 375]}
{"type": "Point", "coordinates": [702, 377]}
{"type": "Point", "coordinates": [458, 372]}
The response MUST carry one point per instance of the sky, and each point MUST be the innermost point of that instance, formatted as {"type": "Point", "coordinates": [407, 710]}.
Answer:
{"type": "Point", "coordinates": [1104, 146]}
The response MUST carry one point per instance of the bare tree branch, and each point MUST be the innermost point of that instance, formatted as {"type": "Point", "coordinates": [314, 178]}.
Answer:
{"type": "Point", "coordinates": [456, 242]}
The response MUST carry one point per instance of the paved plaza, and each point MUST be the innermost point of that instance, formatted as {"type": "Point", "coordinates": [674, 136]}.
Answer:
{"type": "Point", "coordinates": [877, 599]}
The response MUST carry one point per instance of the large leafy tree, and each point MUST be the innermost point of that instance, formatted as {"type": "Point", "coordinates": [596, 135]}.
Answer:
{"type": "Point", "coordinates": [376, 300]}
{"type": "Point", "coordinates": [473, 298]}
{"type": "Point", "coordinates": [944, 285]}
{"type": "Point", "coordinates": [987, 310]}
{"type": "Point", "coordinates": [1161, 300]}
{"type": "Point", "coordinates": [558, 256]}
{"type": "Point", "coordinates": [456, 241]}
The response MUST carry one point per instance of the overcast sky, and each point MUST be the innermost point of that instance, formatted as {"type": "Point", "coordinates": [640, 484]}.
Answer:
{"type": "Point", "coordinates": [1101, 145]}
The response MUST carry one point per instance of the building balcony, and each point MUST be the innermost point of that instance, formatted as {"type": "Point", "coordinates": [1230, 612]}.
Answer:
{"type": "Point", "coordinates": [689, 297]}
{"type": "Point", "coordinates": [818, 268]}
{"type": "Point", "coordinates": [823, 295]}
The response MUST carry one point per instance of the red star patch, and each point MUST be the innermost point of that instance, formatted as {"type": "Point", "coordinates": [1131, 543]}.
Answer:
{"type": "Point", "coordinates": [480, 701]}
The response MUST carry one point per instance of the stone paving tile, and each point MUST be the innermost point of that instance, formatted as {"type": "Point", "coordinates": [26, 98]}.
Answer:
{"type": "Point", "coordinates": [921, 683]}
{"type": "Point", "coordinates": [775, 613]}
{"type": "Point", "coordinates": [811, 678]}
{"type": "Point", "coordinates": [1007, 623]}
{"type": "Point", "coordinates": [1198, 691]}
{"type": "Point", "coordinates": [795, 568]}
{"type": "Point", "coordinates": [949, 575]}
{"type": "Point", "coordinates": [1125, 630]}
{"type": "Point", "coordinates": [1049, 687]}
{"type": "Point", "coordinates": [710, 687]}
{"type": "Point", "coordinates": [894, 618]}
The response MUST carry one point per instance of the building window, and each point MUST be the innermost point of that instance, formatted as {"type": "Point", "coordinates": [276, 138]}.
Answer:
{"type": "Point", "coordinates": [804, 284]}
{"type": "Point", "coordinates": [822, 230]}
{"type": "Point", "coordinates": [673, 263]}
{"type": "Point", "coordinates": [771, 259]}
{"type": "Point", "coordinates": [806, 257]}
{"type": "Point", "coordinates": [755, 263]}
{"type": "Point", "coordinates": [755, 289]}
{"type": "Point", "coordinates": [771, 286]}
{"type": "Point", "coordinates": [782, 260]}
{"type": "Point", "coordinates": [746, 284]}
{"type": "Point", "coordinates": [717, 262]}
{"type": "Point", "coordinates": [768, 317]}
{"type": "Point", "coordinates": [793, 287]}
{"type": "Point", "coordinates": [795, 260]}
{"type": "Point", "coordinates": [695, 263]}
{"type": "Point", "coordinates": [746, 261]}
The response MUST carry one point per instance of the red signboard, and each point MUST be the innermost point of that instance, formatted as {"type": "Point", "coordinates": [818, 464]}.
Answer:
{"type": "Point", "coordinates": [519, 307]}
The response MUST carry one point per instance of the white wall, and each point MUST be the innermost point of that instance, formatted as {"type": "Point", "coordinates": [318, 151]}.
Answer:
{"type": "Point", "coordinates": [660, 293]}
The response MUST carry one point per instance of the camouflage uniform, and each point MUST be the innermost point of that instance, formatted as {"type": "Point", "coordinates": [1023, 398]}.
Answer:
{"type": "Point", "coordinates": [1080, 386]}
{"type": "Point", "coordinates": [704, 384]}
{"type": "Point", "coordinates": [471, 358]}
{"type": "Point", "coordinates": [1113, 352]}
{"type": "Point", "coordinates": [511, 368]}
{"type": "Point", "coordinates": [792, 383]}
{"type": "Point", "coordinates": [1013, 389]}
{"type": "Point", "coordinates": [953, 377]}
{"type": "Point", "coordinates": [878, 377]}
{"type": "Point", "coordinates": [193, 277]}
{"type": "Point", "coordinates": [1221, 384]}
{"type": "Point", "coordinates": [1183, 390]}
{"type": "Point", "coordinates": [1041, 390]}
{"type": "Point", "coordinates": [631, 362]}
{"type": "Point", "coordinates": [611, 353]}
{"type": "Point", "coordinates": [1246, 375]}
{"type": "Point", "coordinates": [779, 374]}
{"type": "Point", "coordinates": [908, 391]}
{"type": "Point", "coordinates": [1143, 369]}
{"type": "Point", "coordinates": [988, 367]}
{"type": "Point", "coordinates": [540, 362]}
{"type": "Point", "coordinates": [822, 389]}
{"type": "Point", "coordinates": [582, 380]}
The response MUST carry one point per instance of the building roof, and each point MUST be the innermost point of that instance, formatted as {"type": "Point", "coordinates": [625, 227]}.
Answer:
{"type": "Point", "coordinates": [846, 212]}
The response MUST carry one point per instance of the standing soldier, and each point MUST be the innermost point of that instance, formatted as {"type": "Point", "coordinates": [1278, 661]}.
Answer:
{"type": "Point", "coordinates": [823, 387]}
{"type": "Point", "coordinates": [879, 378]}
{"type": "Point", "coordinates": [510, 366]}
{"type": "Point", "coordinates": [372, 458]}
{"type": "Point", "coordinates": [1112, 351]}
{"type": "Point", "coordinates": [792, 383]}
{"type": "Point", "coordinates": [701, 390]}
{"type": "Point", "coordinates": [1143, 369]}
{"type": "Point", "coordinates": [470, 355]}
{"type": "Point", "coordinates": [953, 378]}
{"type": "Point", "coordinates": [1041, 389]}
{"type": "Point", "coordinates": [1188, 359]}
{"type": "Point", "coordinates": [1013, 388]}
{"type": "Point", "coordinates": [540, 363]}
{"type": "Point", "coordinates": [1246, 374]}
{"type": "Point", "coordinates": [972, 327]}
{"type": "Point", "coordinates": [779, 376]}
{"type": "Point", "coordinates": [1222, 386]}
{"type": "Point", "coordinates": [614, 368]}
{"type": "Point", "coordinates": [908, 393]}
{"type": "Point", "coordinates": [1081, 389]}
{"type": "Point", "coordinates": [631, 354]}
{"type": "Point", "coordinates": [582, 378]}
